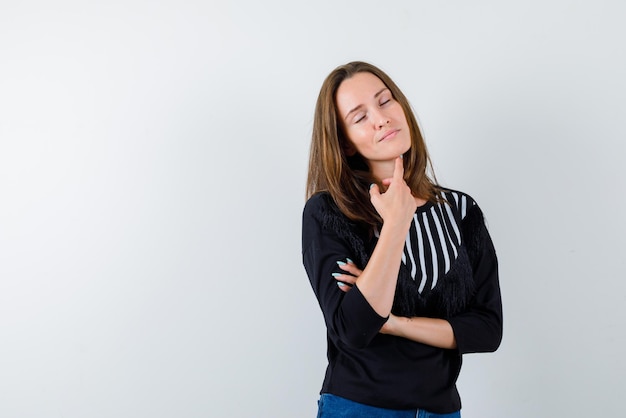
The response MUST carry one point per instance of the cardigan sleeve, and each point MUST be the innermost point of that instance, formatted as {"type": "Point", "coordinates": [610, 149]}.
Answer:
{"type": "Point", "coordinates": [348, 315]}
{"type": "Point", "coordinates": [479, 328]}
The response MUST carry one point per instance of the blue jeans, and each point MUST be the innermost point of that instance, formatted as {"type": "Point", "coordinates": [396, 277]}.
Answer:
{"type": "Point", "coordinates": [331, 406]}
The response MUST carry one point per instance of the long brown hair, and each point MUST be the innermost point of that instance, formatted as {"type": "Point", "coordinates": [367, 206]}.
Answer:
{"type": "Point", "coordinates": [347, 179]}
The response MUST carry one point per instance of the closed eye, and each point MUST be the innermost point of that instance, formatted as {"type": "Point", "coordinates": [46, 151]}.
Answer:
{"type": "Point", "coordinates": [359, 118]}
{"type": "Point", "coordinates": [384, 101]}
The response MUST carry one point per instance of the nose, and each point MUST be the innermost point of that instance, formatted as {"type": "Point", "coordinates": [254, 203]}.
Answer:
{"type": "Point", "coordinates": [381, 119]}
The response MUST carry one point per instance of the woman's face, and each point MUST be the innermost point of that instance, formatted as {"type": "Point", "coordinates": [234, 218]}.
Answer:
{"type": "Point", "coordinates": [373, 120]}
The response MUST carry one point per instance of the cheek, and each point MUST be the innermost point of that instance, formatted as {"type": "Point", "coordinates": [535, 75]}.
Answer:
{"type": "Point", "coordinates": [401, 115]}
{"type": "Point", "coordinates": [359, 139]}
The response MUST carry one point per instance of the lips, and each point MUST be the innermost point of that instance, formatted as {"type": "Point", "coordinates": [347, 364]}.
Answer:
{"type": "Point", "coordinates": [391, 133]}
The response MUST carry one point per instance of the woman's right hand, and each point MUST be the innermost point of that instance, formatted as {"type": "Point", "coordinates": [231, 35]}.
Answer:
{"type": "Point", "coordinates": [396, 205]}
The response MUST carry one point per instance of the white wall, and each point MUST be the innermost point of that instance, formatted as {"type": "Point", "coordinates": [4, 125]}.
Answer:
{"type": "Point", "coordinates": [152, 167]}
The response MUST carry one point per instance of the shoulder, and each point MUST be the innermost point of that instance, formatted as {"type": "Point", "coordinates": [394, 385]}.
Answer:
{"type": "Point", "coordinates": [322, 221]}
{"type": "Point", "coordinates": [313, 216]}
{"type": "Point", "coordinates": [473, 227]}
{"type": "Point", "coordinates": [318, 206]}
{"type": "Point", "coordinates": [321, 209]}
{"type": "Point", "coordinates": [318, 201]}
{"type": "Point", "coordinates": [462, 202]}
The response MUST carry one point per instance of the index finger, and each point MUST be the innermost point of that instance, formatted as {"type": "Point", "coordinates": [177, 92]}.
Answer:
{"type": "Point", "coordinates": [398, 170]}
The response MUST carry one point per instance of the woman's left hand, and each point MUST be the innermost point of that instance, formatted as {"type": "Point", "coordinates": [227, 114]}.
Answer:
{"type": "Point", "coordinates": [347, 280]}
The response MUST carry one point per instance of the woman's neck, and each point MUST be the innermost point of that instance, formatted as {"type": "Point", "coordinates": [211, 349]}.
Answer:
{"type": "Point", "coordinates": [382, 170]}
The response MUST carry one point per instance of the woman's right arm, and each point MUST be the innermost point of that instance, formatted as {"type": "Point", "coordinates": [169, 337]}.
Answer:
{"type": "Point", "coordinates": [357, 316]}
{"type": "Point", "coordinates": [396, 206]}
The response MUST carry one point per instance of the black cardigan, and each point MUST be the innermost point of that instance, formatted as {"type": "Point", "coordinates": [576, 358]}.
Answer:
{"type": "Point", "coordinates": [388, 371]}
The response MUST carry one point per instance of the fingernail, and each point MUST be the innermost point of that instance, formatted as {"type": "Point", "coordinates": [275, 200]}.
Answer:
{"type": "Point", "coordinates": [341, 284]}
{"type": "Point", "coordinates": [401, 155]}
{"type": "Point", "coordinates": [371, 185]}
{"type": "Point", "coordinates": [341, 263]}
{"type": "Point", "coordinates": [350, 261]}
{"type": "Point", "coordinates": [335, 275]}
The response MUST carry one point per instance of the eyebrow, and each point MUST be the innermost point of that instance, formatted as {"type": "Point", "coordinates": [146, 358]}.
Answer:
{"type": "Point", "coordinates": [359, 106]}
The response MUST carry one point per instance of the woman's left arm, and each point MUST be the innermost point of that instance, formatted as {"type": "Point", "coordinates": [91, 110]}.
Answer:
{"type": "Point", "coordinates": [479, 327]}
{"type": "Point", "coordinates": [430, 331]}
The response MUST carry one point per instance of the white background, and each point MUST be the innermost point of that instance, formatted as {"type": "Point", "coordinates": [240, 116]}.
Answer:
{"type": "Point", "coordinates": [153, 159]}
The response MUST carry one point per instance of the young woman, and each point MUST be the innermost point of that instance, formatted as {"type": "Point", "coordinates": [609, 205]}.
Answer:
{"type": "Point", "coordinates": [403, 269]}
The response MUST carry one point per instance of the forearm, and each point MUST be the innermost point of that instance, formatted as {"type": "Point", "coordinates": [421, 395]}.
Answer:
{"type": "Point", "coordinates": [430, 331]}
{"type": "Point", "coordinates": [378, 280]}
